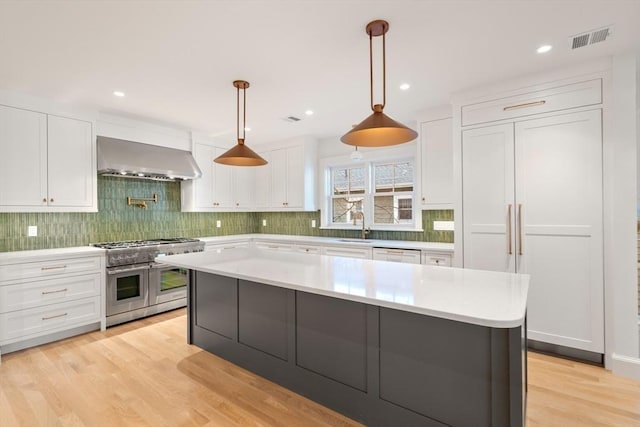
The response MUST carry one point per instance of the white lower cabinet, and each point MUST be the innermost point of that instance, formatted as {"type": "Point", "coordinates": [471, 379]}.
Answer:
{"type": "Point", "coordinates": [409, 256]}
{"type": "Point", "coordinates": [437, 259]}
{"type": "Point", "coordinates": [49, 299]}
{"type": "Point", "coordinates": [351, 252]}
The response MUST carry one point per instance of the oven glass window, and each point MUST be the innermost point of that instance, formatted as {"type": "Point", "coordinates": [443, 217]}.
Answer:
{"type": "Point", "coordinates": [174, 278]}
{"type": "Point", "coordinates": [128, 287]}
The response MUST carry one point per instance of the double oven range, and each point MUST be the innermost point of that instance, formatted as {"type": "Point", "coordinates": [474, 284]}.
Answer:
{"type": "Point", "coordinates": [139, 287]}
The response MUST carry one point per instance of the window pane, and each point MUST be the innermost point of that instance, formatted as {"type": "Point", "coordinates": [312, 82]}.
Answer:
{"type": "Point", "coordinates": [383, 210]}
{"type": "Point", "coordinates": [393, 177]}
{"type": "Point", "coordinates": [348, 181]}
{"type": "Point", "coordinates": [392, 210]}
{"type": "Point", "coordinates": [343, 209]}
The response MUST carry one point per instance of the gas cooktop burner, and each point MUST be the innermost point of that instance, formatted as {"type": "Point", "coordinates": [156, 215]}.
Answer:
{"type": "Point", "coordinates": [143, 243]}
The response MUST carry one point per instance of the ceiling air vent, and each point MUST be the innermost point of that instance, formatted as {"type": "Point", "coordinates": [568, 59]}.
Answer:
{"type": "Point", "coordinates": [590, 37]}
{"type": "Point", "coordinates": [291, 119]}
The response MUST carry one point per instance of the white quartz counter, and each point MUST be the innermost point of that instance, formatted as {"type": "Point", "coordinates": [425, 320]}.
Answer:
{"type": "Point", "coordinates": [40, 254]}
{"type": "Point", "coordinates": [472, 296]}
{"type": "Point", "coordinates": [399, 244]}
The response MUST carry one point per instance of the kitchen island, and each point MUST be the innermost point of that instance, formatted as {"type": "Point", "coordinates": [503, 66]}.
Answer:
{"type": "Point", "coordinates": [384, 343]}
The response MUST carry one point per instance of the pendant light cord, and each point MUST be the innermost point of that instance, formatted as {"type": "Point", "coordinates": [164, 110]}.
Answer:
{"type": "Point", "coordinates": [384, 70]}
{"type": "Point", "coordinates": [244, 113]}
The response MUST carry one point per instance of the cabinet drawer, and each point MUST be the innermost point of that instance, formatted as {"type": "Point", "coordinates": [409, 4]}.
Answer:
{"type": "Point", "coordinates": [274, 246]}
{"type": "Point", "coordinates": [309, 249]}
{"type": "Point", "coordinates": [347, 252]}
{"type": "Point", "coordinates": [51, 291]}
{"type": "Point", "coordinates": [409, 256]}
{"type": "Point", "coordinates": [219, 247]}
{"type": "Point", "coordinates": [50, 268]}
{"type": "Point", "coordinates": [541, 101]}
{"type": "Point", "coordinates": [437, 259]}
{"type": "Point", "coordinates": [60, 316]}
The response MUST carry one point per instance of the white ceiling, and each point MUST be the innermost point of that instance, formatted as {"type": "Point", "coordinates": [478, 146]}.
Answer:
{"type": "Point", "coordinates": [176, 60]}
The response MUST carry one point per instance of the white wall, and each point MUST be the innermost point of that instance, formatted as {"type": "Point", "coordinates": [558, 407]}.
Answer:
{"type": "Point", "coordinates": [144, 131]}
{"type": "Point", "coordinates": [620, 166]}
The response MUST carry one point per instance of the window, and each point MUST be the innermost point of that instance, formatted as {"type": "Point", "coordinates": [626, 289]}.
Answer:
{"type": "Point", "coordinates": [382, 191]}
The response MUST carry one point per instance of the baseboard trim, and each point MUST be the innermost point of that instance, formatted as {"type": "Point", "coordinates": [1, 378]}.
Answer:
{"type": "Point", "coordinates": [566, 352]}
{"type": "Point", "coordinates": [625, 366]}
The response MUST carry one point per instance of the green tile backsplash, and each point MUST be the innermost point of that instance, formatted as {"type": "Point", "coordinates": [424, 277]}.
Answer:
{"type": "Point", "coordinates": [117, 221]}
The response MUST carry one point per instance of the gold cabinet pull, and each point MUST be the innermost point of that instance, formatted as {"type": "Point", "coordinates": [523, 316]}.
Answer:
{"type": "Point", "coordinates": [54, 292]}
{"type": "Point", "coordinates": [524, 105]}
{"type": "Point", "coordinates": [54, 317]}
{"type": "Point", "coordinates": [51, 200]}
{"type": "Point", "coordinates": [509, 248]}
{"type": "Point", "coordinates": [520, 229]}
{"type": "Point", "coordinates": [44, 200]}
{"type": "Point", "coordinates": [53, 267]}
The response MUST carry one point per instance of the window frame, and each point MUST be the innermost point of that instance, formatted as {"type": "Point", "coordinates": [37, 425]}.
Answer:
{"type": "Point", "coordinates": [326, 176]}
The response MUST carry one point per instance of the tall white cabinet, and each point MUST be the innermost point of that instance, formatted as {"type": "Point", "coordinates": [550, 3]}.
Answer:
{"type": "Point", "coordinates": [532, 203]}
{"type": "Point", "coordinates": [47, 162]}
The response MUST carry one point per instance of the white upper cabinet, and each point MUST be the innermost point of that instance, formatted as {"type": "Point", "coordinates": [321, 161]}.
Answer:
{"type": "Point", "coordinates": [436, 155]}
{"type": "Point", "coordinates": [285, 183]}
{"type": "Point", "coordinates": [70, 168]}
{"type": "Point", "coordinates": [221, 187]}
{"type": "Point", "coordinates": [292, 177]}
{"type": "Point", "coordinates": [262, 183]}
{"type": "Point", "coordinates": [47, 163]}
{"type": "Point", "coordinates": [23, 158]}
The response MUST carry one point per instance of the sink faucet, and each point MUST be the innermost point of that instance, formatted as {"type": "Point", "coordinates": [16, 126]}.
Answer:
{"type": "Point", "coordinates": [365, 231]}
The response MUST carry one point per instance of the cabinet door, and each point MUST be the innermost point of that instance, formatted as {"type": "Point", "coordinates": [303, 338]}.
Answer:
{"type": "Point", "coordinates": [204, 155]}
{"type": "Point", "coordinates": [71, 162]}
{"type": "Point", "coordinates": [263, 183]}
{"type": "Point", "coordinates": [23, 157]}
{"type": "Point", "coordinates": [222, 183]}
{"type": "Point", "coordinates": [559, 201]}
{"type": "Point", "coordinates": [295, 177]}
{"type": "Point", "coordinates": [278, 178]}
{"type": "Point", "coordinates": [243, 185]}
{"type": "Point", "coordinates": [488, 198]}
{"type": "Point", "coordinates": [436, 151]}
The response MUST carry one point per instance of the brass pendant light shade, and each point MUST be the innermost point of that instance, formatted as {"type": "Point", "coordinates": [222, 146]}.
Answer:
{"type": "Point", "coordinates": [240, 154]}
{"type": "Point", "coordinates": [378, 130]}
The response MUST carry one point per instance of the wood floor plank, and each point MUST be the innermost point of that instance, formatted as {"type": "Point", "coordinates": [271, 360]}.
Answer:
{"type": "Point", "coordinates": [144, 374]}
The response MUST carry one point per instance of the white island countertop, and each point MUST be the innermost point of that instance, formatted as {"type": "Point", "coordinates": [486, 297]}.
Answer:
{"type": "Point", "coordinates": [478, 297]}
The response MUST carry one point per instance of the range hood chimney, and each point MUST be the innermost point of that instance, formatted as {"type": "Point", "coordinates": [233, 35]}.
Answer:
{"type": "Point", "coordinates": [129, 159]}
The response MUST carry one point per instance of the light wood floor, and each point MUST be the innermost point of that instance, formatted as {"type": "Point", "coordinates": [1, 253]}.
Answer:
{"type": "Point", "coordinates": [144, 374]}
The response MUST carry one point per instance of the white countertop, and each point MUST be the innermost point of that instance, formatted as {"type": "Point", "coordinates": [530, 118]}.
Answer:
{"type": "Point", "coordinates": [39, 254]}
{"type": "Point", "coordinates": [483, 298]}
{"type": "Point", "coordinates": [368, 243]}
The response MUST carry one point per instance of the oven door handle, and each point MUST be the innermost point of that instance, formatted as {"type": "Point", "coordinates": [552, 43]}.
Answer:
{"type": "Point", "coordinates": [127, 270]}
{"type": "Point", "coordinates": [158, 265]}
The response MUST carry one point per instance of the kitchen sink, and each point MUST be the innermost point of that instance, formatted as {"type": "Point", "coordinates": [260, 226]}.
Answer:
{"type": "Point", "coordinates": [361, 241]}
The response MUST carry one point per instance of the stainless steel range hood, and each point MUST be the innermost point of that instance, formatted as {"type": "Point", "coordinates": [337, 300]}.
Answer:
{"type": "Point", "coordinates": [135, 160]}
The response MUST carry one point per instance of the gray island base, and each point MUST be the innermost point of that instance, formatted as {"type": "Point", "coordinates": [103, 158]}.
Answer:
{"type": "Point", "coordinates": [377, 365]}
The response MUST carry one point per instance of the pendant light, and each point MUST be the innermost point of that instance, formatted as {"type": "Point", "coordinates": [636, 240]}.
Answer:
{"type": "Point", "coordinates": [378, 130]}
{"type": "Point", "coordinates": [240, 154]}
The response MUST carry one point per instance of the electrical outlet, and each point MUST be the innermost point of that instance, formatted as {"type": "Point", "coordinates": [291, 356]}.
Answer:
{"type": "Point", "coordinates": [218, 223]}
{"type": "Point", "coordinates": [443, 225]}
{"type": "Point", "coordinates": [264, 222]}
{"type": "Point", "coordinates": [32, 231]}
{"type": "Point", "coordinates": [313, 223]}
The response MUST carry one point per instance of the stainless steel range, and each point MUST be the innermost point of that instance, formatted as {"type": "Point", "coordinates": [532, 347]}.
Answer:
{"type": "Point", "coordinates": [139, 287]}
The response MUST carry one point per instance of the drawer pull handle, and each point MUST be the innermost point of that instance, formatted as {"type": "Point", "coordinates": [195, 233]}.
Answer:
{"type": "Point", "coordinates": [54, 317]}
{"type": "Point", "coordinates": [525, 105]}
{"type": "Point", "coordinates": [53, 267]}
{"type": "Point", "coordinates": [54, 292]}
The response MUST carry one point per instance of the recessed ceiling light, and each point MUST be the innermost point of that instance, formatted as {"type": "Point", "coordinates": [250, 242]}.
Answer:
{"type": "Point", "coordinates": [118, 93]}
{"type": "Point", "coordinates": [544, 48]}
{"type": "Point", "coordinates": [247, 129]}
{"type": "Point", "coordinates": [405, 86]}
{"type": "Point", "coordinates": [309, 113]}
